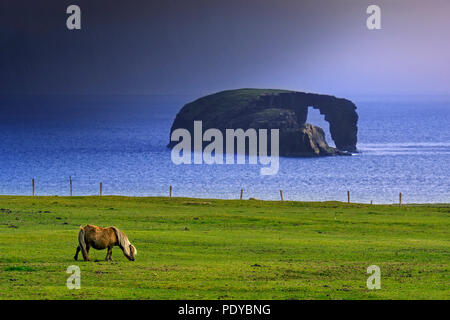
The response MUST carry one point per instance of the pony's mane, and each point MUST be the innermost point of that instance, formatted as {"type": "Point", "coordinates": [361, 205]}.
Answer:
{"type": "Point", "coordinates": [123, 241]}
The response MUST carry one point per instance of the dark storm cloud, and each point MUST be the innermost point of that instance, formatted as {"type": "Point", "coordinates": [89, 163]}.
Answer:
{"type": "Point", "coordinates": [193, 46]}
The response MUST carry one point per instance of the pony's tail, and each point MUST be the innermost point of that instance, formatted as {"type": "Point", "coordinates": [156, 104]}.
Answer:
{"type": "Point", "coordinates": [82, 243]}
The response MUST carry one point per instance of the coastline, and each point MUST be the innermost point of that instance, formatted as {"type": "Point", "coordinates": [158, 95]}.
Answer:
{"type": "Point", "coordinates": [129, 197]}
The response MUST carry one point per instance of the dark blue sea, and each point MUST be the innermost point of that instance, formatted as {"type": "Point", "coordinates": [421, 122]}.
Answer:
{"type": "Point", "coordinates": [121, 141]}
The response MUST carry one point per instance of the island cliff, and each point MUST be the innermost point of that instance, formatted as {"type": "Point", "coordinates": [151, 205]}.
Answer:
{"type": "Point", "coordinates": [277, 109]}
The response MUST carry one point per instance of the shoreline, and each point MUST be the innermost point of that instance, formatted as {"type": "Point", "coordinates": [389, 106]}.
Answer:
{"type": "Point", "coordinates": [122, 197]}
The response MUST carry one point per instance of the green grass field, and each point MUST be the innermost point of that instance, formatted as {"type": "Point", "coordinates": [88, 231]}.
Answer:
{"type": "Point", "coordinates": [225, 249]}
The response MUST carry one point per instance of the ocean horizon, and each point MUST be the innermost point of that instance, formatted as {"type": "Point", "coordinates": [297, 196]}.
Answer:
{"type": "Point", "coordinates": [121, 141]}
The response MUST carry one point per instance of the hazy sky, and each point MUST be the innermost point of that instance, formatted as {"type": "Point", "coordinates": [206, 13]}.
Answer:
{"type": "Point", "coordinates": [199, 47]}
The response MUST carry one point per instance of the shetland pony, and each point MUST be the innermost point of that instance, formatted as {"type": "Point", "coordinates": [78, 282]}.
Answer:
{"type": "Point", "coordinates": [101, 238]}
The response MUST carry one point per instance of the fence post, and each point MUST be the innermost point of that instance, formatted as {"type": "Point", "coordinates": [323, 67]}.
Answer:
{"type": "Point", "coordinates": [348, 196]}
{"type": "Point", "coordinates": [281, 195]}
{"type": "Point", "coordinates": [170, 191]}
{"type": "Point", "coordinates": [70, 179]}
{"type": "Point", "coordinates": [32, 182]}
{"type": "Point", "coordinates": [242, 193]}
{"type": "Point", "coordinates": [101, 189]}
{"type": "Point", "coordinates": [400, 198]}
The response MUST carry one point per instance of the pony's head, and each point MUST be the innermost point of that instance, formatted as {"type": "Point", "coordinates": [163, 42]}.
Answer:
{"type": "Point", "coordinates": [133, 253]}
{"type": "Point", "coordinates": [128, 249]}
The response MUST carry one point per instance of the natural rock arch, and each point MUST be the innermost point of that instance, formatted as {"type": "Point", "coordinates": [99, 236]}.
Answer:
{"type": "Point", "coordinates": [339, 113]}
{"type": "Point", "coordinates": [282, 109]}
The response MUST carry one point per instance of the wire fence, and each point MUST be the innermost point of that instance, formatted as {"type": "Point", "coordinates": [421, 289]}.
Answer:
{"type": "Point", "coordinates": [99, 191]}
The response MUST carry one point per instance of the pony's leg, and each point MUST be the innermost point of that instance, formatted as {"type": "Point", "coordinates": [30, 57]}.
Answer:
{"type": "Point", "coordinates": [109, 254]}
{"type": "Point", "coordinates": [87, 252]}
{"type": "Point", "coordinates": [76, 254]}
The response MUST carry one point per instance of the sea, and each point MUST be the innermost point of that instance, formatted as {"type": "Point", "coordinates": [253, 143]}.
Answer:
{"type": "Point", "coordinates": [120, 141]}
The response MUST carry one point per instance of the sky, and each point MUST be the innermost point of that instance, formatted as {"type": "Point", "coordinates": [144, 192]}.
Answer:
{"type": "Point", "coordinates": [204, 46]}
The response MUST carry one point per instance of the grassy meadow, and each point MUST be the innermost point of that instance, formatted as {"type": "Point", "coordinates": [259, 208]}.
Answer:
{"type": "Point", "coordinates": [225, 249]}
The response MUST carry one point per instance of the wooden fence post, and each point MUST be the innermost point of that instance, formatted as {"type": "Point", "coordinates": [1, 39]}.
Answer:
{"type": "Point", "coordinates": [400, 198]}
{"type": "Point", "coordinates": [32, 182]}
{"type": "Point", "coordinates": [101, 189]}
{"type": "Point", "coordinates": [281, 195]}
{"type": "Point", "coordinates": [348, 196]}
{"type": "Point", "coordinates": [170, 191]}
{"type": "Point", "coordinates": [242, 193]}
{"type": "Point", "coordinates": [70, 179]}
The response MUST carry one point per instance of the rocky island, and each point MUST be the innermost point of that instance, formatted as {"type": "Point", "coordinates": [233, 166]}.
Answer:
{"type": "Point", "coordinates": [277, 109]}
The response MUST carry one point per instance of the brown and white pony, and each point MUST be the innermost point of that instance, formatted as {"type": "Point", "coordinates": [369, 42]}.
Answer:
{"type": "Point", "coordinates": [101, 238]}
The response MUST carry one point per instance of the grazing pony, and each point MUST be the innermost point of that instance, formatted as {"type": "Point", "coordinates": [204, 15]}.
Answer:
{"type": "Point", "coordinates": [101, 238]}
